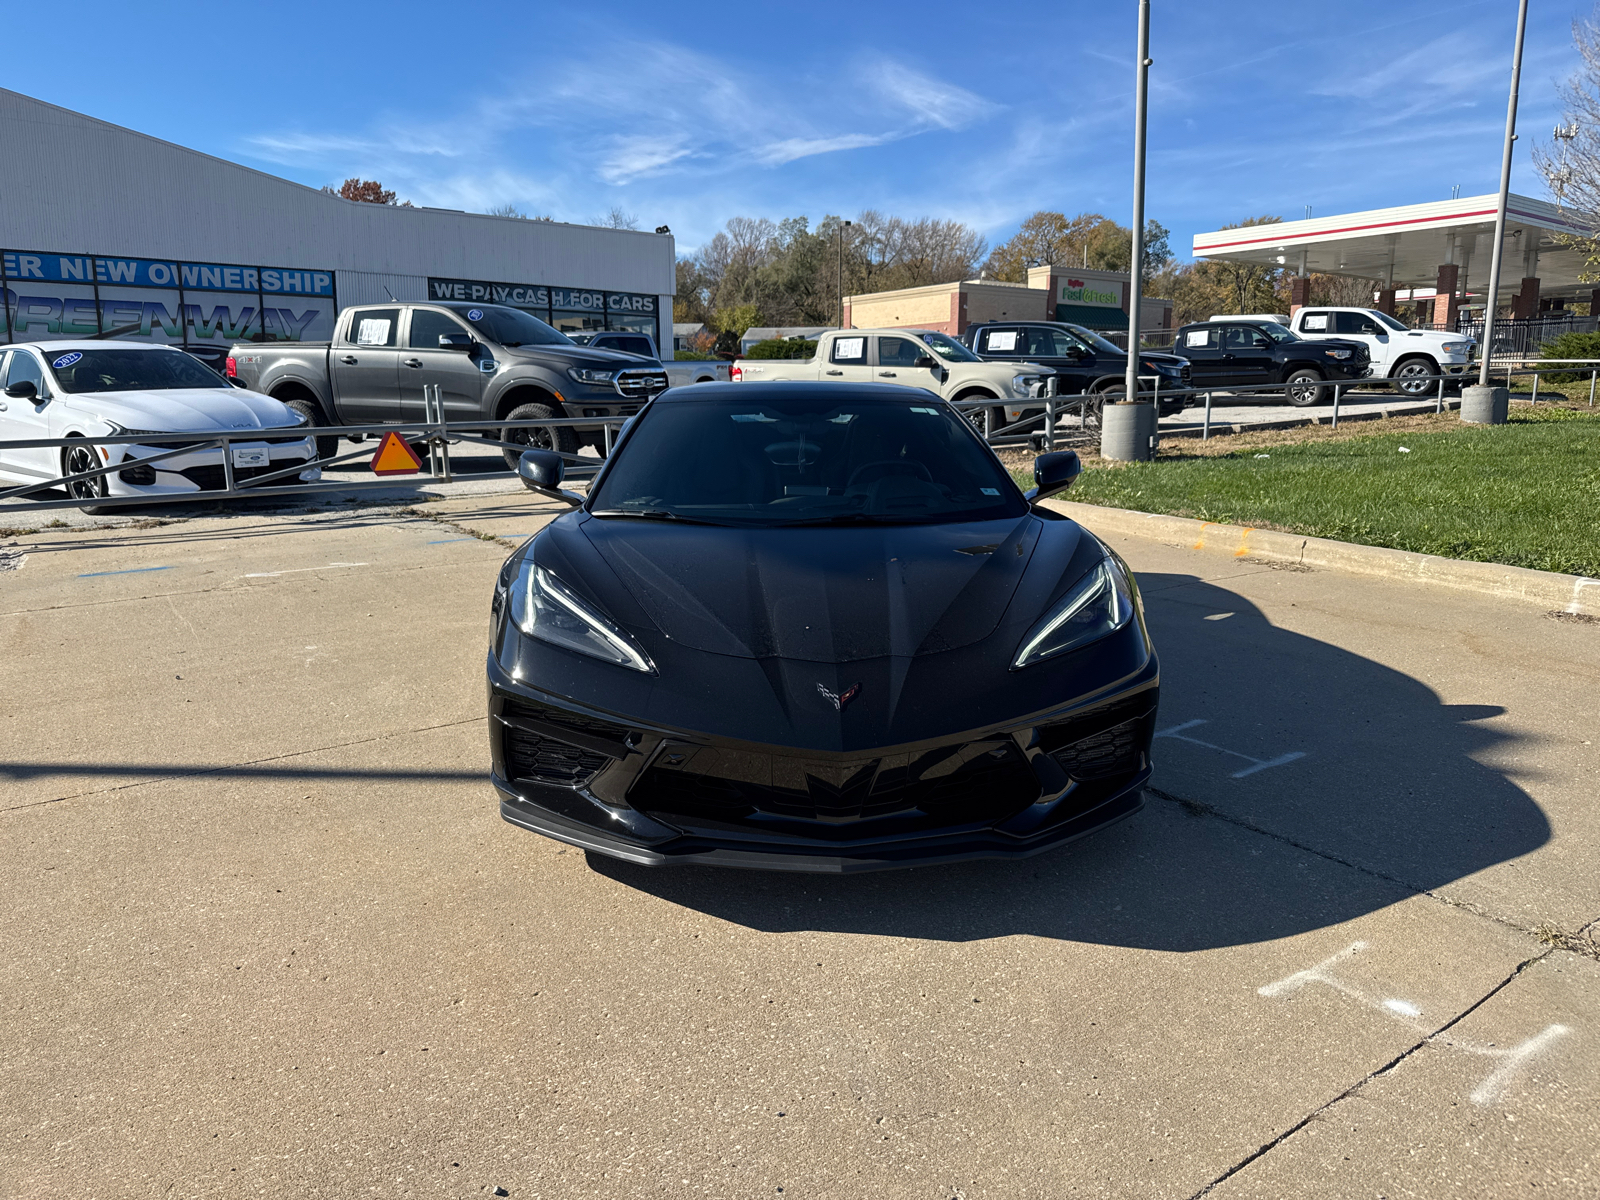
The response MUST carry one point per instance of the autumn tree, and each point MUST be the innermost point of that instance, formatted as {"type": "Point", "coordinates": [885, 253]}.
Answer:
{"type": "Point", "coordinates": [1086, 240]}
{"type": "Point", "coordinates": [367, 191]}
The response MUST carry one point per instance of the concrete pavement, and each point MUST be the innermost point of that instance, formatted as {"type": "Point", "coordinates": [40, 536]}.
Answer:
{"type": "Point", "coordinates": [266, 933]}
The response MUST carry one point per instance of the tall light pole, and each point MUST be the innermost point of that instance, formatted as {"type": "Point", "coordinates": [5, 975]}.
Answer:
{"type": "Point", "coordinates": [842, 228]}
{"type": "Point", "coordinates": [1493, 298]}
{"type": "Point", "coordinates": [1135, 443]}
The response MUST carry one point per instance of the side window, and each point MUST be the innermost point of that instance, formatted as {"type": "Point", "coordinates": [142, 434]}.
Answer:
{"type": "Point", "coordinates": [426, 327]}
{"type": "Point", "coordinates": [898, 352]}
{"type": "Point", "coordinates": [373, 327]}
{"type": "Point", "coordinates": [1204, 338]}
{"type": "Point", "coordinates": [1002, 341]}
{"type": "Point", "coordinates": [1315, 322]}
{"type": "Point", "coordinates": [1243, 337]}
{"type": "Point", "coordinates": [1354, 322]}
{"type": "Point", "coordinates": [1052, 343]}
{"type": "Point", "coordinates": [24, 368]}
{"type": "Point", "coordinates": [636, 345]}
{"type": "Point", "coordinates": [849, 350]}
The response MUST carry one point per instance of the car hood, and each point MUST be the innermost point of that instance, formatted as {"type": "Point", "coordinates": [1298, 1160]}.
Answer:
{"type": "Point", "coordinates": [825, 594]}
{"type": "Point", "coordinates": [578, 356]}
{"type": "Point", "coordinates": [184, 410]}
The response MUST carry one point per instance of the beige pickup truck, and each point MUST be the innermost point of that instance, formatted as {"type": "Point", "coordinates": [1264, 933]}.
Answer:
{"type": "Point", "coordinates": [914, 358]}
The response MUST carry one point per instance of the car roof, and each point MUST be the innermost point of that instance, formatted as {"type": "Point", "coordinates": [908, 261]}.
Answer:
{"type": "Point", "coordinates": [798, 389]}
{"type": "Point", "coordinates": [93, 344]}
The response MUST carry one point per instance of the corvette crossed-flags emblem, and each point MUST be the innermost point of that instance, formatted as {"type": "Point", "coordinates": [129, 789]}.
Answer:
{"type": "Point", "coordinates": [840, 699]}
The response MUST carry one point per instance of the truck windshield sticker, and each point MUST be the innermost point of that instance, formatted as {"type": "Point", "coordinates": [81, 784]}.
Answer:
{"type": "Point", "coordinates": [849, 349]}
{"type": "Point", "coordinates": [1319, 321]}
{"type": "Point", "coordinates": [66, 360]}
{"type": "Point", "coordinates": [1198, 337]}
{"type": "Point", "coordinates": [1003, 341]}
{"type": "Point", "coordinates": [374, 332]}
{"type": "Point", "coordinates": [474, 314]}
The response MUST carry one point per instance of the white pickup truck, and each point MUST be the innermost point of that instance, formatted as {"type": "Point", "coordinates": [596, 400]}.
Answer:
{"type": "Point", "coordinates": [920, 358]}
{"type": "Point", "coordinates": [1404, 356]}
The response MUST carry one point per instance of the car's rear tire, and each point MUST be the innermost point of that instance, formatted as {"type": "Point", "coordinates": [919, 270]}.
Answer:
{"type": "Point", "coordinates": [1305, 388]}
{"type": "Point", "coordinates": [327, 447]}
{"type": "Point", "coordinates": [1405, 378]}
{"type": "Point", "coordinates": [562, 438]}
{"type": "Point", "coordinates": [75, 460]}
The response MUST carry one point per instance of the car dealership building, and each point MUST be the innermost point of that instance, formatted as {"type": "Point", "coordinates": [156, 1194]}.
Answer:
{"type": "Point", "coordinates": [110, 232]}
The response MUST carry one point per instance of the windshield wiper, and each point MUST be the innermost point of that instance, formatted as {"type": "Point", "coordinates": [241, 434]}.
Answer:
{"type": "Point", "coordinates": [649, 514]}
{"type": "Point", "coordinates": [850, 518]}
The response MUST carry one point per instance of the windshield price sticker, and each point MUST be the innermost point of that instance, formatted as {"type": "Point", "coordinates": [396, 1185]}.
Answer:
{"type": "Point", "coordinates": [1197, 337]}
{"type": "Point", "coordinates": [1320, 321]}
{"type": "Point", "coordinates": [849, 348]}
{"type": "Point", "coordinates": [66, 360]}
{"type": "Point", "coordinates": [1003, 341]}
{"type": "Point", "coordinates": [374, 331]}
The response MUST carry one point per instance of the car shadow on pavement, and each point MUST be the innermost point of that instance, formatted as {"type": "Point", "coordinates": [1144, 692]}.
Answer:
{"type": "Point", "coordinates": [1297, 785]}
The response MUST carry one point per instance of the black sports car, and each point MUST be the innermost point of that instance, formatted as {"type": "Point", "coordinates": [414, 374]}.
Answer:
{"type": "Point", "coordinates": [815, 627]}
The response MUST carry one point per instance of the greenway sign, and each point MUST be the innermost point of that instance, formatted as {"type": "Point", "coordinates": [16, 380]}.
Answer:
{"type": "Point", "coordinates": [1077, 291]}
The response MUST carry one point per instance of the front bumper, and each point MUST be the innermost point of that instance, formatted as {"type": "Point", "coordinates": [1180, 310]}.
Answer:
{"type": "Point", "coordinates": [657, 796]}
{"type": "Point", "coordinates": [202, 470]}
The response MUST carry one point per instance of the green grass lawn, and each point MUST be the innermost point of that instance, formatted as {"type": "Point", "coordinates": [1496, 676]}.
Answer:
{"type": "Point", "coordinates": [1525, 493]}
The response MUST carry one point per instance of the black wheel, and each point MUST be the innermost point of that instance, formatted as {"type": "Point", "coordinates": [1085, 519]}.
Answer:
{"type": "Point", "coordinates": [76, 461]}
{"type": "Point", "coordinates": [562, 437]}
{"type": "Point", "coordinates": [327, 447]}
{"type": "Point", "coordinates": [1305, 388]}
{"type": "Point", "coordinates": [1410, 378]}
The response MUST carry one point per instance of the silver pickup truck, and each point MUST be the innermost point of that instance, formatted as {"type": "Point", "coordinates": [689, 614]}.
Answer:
{"type": "Point", "coordinates": [679, 374]}
{"type": "Point", "coordinates": [492, 363]}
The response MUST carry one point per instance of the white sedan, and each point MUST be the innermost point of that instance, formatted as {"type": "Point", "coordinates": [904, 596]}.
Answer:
{"type": "Point", "coordinates": [100, 389]}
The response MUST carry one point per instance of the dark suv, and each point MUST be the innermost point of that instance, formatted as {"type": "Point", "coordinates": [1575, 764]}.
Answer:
{"type": "Point", "coordinates": [1224, 353]}
{"type": "Point", "coordinates": [1084, 361]}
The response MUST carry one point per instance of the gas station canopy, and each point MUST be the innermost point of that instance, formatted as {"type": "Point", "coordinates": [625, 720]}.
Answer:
{"type": "Point", "coordinates": [1405, 247]}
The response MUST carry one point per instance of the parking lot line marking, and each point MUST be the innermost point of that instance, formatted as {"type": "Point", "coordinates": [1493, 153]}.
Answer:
{"type": "Point", "coordinates": [1256, 764]}
{"type": "Point", "coordinates": [1511, 1059]}
{"type": "Point", "coordinates": [1272, 762]}
{"type": "Point", "coordinates": [297, 571]}
{"type": "Point", "coordinates": [446, 541]}
{"type": "Point", "coordinates": [129, 571]}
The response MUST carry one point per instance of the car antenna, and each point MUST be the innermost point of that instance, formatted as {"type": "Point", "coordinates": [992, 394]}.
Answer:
{"type": "Point", "coordinates": [389, 294]}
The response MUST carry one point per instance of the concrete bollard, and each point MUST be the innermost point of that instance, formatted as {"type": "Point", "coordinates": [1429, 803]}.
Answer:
{"type": "Point", "coordinates": [1485, 405]}
{"type": "Point", "coordinates": [1126, 428]}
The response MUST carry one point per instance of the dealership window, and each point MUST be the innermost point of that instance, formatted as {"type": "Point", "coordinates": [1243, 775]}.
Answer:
{"type": "Point", "coordinates": [571, 310]}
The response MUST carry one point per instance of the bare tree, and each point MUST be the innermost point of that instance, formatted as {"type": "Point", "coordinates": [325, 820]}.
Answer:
{"type": "Point", "coordinates": [616, 218]}
{"type": "Point", "coordinates": [1570, 165]}
{"type": "Point", "coordinates": [512, 211]}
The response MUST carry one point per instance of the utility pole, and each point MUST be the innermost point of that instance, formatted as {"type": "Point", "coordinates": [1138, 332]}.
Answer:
{"type": "Point", "coordinates": [1493, 298]}
{"type": "Point", "coordinates": [842, 228]}
{"type": "Point", "coordinates": [1136, 273]}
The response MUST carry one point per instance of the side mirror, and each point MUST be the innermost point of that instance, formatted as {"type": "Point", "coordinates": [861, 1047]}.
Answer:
{"type": "Point", "coordinates": [23, 389]}
{"type": "Point", "coordinates": [456, 341]}
{"type": "Point", "coordinates": [1053, 473]}
{"type": "Point", "coordinates": [926, 360]}
{"type": "Point", "coordinates": [1076, 352]}
{"type": "Point", "coordinates": [541, 471]}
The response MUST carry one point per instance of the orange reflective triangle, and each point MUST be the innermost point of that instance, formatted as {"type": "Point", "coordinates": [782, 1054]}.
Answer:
{"type": "Point", "coordinates": [395, 457]}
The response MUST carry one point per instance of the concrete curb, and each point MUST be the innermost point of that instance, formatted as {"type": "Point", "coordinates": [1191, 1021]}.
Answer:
{"type": "Point", "coordinates": [1574, 594]}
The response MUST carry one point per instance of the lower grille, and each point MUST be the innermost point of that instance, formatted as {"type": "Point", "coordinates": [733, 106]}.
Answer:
{"type": "Point", "coordinates": [1102, 743]}
{"type": "Point", "coordinates": [541, 759]}
{"type": "Point", "coordinates": [977, 782]}
{"type": "Point", "coordinates": [210, 478]}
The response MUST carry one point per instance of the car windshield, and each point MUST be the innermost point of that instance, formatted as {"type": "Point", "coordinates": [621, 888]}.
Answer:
{"type": "Point", "coordinates": [510, 326]}
{"type": "Point", "coordinates": [1277, 332]}
{"type": "Point", "coordinates": [1095, 340]}
{"type": "Point", "coordinates": [1388, 320]}
{"type": "Point", "coordinates": [794, 460]}
{"type": "Point", "coordinates": [948, 347]}
{"type": "Point", "coordinates": [128, 370]}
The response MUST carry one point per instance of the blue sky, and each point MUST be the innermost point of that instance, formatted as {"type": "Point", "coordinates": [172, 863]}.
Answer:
{"type": "Point", "coordinates": [690, 115]}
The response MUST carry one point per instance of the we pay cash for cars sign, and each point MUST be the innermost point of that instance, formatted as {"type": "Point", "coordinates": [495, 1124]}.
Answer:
{"type": "Point", "coordinates": [157, 299]}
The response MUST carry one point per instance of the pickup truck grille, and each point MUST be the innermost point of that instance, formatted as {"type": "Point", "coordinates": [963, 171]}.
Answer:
{"type": "Point", "coordinates": [640, 383]}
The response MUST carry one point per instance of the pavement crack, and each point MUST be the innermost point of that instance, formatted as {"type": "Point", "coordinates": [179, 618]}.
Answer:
{"type": "Point", "coordinates": [1198, 808]}
{"type": "Point", "coordinates": [1386, 1068]}
{"type": "Point", "coordinates": [457, 527]}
